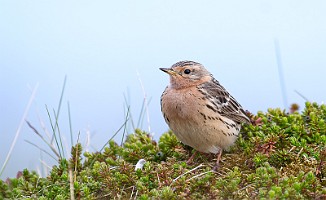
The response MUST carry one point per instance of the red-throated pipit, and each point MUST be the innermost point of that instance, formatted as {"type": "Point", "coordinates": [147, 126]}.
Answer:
{"type": "Point", "coordinates": [199, 110]}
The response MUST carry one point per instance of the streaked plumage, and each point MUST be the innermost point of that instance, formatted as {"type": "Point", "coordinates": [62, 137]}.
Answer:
{"type": "Point", "coordinates": [199, 110]}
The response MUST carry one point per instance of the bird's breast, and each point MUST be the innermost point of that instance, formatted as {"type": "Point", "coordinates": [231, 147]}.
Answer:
{"type": "Point", "coordinates": [194, 124]}
{"type": "Point", "coordinates": [180, 104]}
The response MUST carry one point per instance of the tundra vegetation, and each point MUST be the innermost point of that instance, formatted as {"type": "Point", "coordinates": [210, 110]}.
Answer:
{"type": "Point", "coordinates": [280, 156]}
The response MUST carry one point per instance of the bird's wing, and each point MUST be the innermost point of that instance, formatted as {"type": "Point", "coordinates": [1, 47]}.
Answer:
{"type": "Point", "coordinates": [222, 102]}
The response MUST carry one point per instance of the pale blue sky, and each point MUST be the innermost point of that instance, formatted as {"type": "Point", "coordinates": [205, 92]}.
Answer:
{"type": "Point", "coordinates": [102, 45]}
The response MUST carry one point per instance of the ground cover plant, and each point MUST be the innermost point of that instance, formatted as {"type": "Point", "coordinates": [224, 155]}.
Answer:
{"type": "Point", "coordinates": [280, 156]}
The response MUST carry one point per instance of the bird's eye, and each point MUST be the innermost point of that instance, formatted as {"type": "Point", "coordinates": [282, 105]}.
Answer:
{"type": "Point", "coordinates": [187, 71]}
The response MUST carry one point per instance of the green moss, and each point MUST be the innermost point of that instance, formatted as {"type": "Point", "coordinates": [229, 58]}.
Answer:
{"type": "Point", "coordinates": [283, 156]}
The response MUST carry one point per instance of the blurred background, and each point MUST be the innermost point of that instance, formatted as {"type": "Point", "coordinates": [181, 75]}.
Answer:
{"type": "Point", "coordinates": [110, 53]}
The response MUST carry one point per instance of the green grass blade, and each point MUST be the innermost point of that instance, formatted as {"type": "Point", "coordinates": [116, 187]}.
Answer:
{"type": "Point", "coordinates": [141, 115]}
{"type": "Point", "coordinates": [122, 126]}
{"type": "Point", "coordinates": [61, 97]}
{"type": "Point", "coordinates": [125, 126]}
{"type": "Point", "coordinates": [53, 131]}
{"type": "Point", "coordinates": [128, 108]}
{"type": "Point", "coordinates": [59, 135]}
{"type": "Point", "coordinates": [70, 126]}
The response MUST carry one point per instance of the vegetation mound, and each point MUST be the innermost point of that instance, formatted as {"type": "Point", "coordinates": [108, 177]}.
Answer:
{"type": "Point", "coordinates": [281, 156]}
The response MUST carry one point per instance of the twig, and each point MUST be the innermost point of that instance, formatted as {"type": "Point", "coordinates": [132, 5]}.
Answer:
{"type": "Point", "coordinates": [132, 191]}
{"type": "Point", "coordinates": [292, 148]}
{"type": "Point", "coordinates": [246, 187]}
{"type": "Point", "coordinates": [299, 152]}
{"type": "Point", "coordinates": [158, 180]}
{"type": "Point", "coordinates": [71, 183]}
{"type": "Point", "coordinates": [136, 194]}
{"type": "Point", "coordinates": [174, 180]}
{"type": "Point", "coordinates": [198, 175]}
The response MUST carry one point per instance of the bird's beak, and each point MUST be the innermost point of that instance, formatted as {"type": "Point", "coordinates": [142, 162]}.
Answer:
{"type": "Point", "coordinates": [169, 71]}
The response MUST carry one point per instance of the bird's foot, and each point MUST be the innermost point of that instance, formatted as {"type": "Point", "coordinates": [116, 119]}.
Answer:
{"type": "Point", "coordinates": [217, 164]}
{"type": "Point", "coordinates": [191, 159]}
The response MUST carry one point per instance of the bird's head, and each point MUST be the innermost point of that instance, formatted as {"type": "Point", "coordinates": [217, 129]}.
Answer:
{"type": "Point", "coordinates": [186, 74]}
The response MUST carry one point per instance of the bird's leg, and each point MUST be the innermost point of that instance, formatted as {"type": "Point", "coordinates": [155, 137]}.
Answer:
{"type": "Point", "coordinates": [217, 164]}
{"type": "Point", "coordinates": [189, 161]}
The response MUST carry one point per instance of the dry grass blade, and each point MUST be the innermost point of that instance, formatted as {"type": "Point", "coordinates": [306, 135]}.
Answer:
{"type": "Point", "coordinates": [280, 71]}
{"type": "Point", "coordinates": [301, 95]}
{"type": "Point", "coordinates": [43, 150]}
{"type": "Point", "coordinates": [145, 103]}
{"type": "Point", "coordinates": [37, 133]}
{"type": "Point", "coordinates": [19, 129]}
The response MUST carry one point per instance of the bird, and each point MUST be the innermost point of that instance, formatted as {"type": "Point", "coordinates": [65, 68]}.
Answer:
{"type": "Point", "coordinates": [199, 110]}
